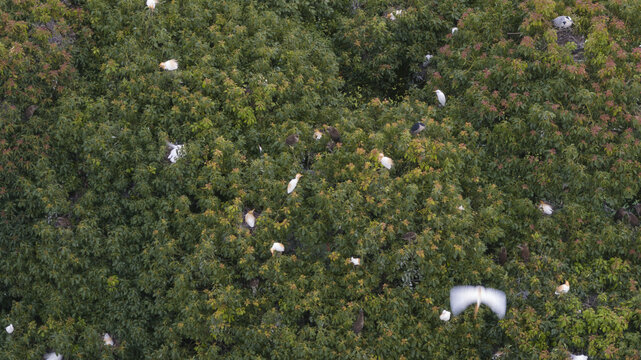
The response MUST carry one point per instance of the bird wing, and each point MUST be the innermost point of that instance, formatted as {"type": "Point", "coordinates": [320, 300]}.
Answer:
{"type": "Point", "coordinates": [496, 300]}
{"type": "Point", "coordinates": [461, 297]}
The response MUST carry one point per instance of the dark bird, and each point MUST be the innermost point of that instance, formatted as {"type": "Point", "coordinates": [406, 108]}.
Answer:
{"type": "Point", "coordinates": [358, 324]}
{"type": "Point", "coordinates": [63, 222]}
{"type": "Point", "coordinates": [633, 220]}
{"type": "Point", "coordinates": [525, 252]}
{"type": "Point", "coordinates": [620, 214]}
{"type": "Point", "coordinates": [291, 139]}
{"type": "Point", "coordinates": [334, 134]}
{"type": "Point", "coordinates": [637, 208]}
{"type": "Point", "coordinates": [629, 217]}
{"type": "Point", "coordinates": [28, 113]}
{"type": "Point", "coordinates": [331, 145]}
{"type": "Point", "coordinates": [409, 236]}
{"type": "Point", "coordinates": [503, 256]}
{"type": "Point", "coordinates": [417, 128]}
{"type": "Point", "coordinates": [254, 285]}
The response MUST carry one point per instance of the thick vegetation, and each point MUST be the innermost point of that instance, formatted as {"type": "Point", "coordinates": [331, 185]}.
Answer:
{"type": "Point", "coordinates": [99, 232]}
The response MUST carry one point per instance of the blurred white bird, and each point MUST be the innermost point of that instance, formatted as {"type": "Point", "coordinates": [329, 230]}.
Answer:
{"type": "Point", "coordinates": [546, 208]}
{"type": "Point", "coordinates": [385, 161]}
{"type": "Point", "coordinates": [317, 135]}
{"type": "Point", "coordinates": [52, 356]}
{"type": "Point", "coordinates": [250, 219]}
{"type": "Point", "coordinates": [578, 357]}
{"type": "Point", "coordinates": [445, 315]}
{"type": "Point", "coordinates": [440, 96]}
{"type": "Point", "coordinates": [169, 65]}
{"type": "Point", "coordinates": [463, 296]}
{"type": "Point", "coordinates": [460, 207]}
{"type": "Point", "coordinates": [454, 29]}
{"type": "Point", "coordinates": [260, 148]}
{"type": "Point", "coordinates": [428, 58]}
{"type": "Point", "coordinates": [563, 288]}
{"type": "Point", "coordinates": [151, 4]}
{"type": "Point", "coordinates": [395, 12]}
{"type": "Point", "coordinates": [175, 153]}
{"type": "Point", "coordinates": [355, 261]}
{"type": "Point", "coordinates": [562, 22]}
{"type": "Point", "coordinates": [277, 247]}
{"type": "Point", "coordinates": [9, 328]}
{"type": "Point", "coordinates": [292, 183]}
{"type": "Point", "coordinates": [107, 339]}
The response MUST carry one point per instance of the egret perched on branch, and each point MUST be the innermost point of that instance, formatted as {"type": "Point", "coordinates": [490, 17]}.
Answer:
{"type": "Point", "coordinates": [169, 65]}
{"type": "Point", "coordinates": [9, 329]}
{"type": "Point", "coordinates": [52, 356]}
{"type": "Point", "coordinates": [563, 288]}
{"type": "Point", "coordinates": [250, 219]}
{"type": "Point", "coordinates": [355, 261]}
{"type": "Point", "coordinates": [151, 4]}
{"type": "Point", "coordinates": [463, 296]}
{"type": "Point", "coordinates": [445, 315]}
{"type": "Point", "coordinates": [578, 357]}
{"type": "Point", "coordinates": [417, 128]}
{"type": "Point", "coordinates": [562, 22]}
{"type": "Point", "coordinates": [454, 29]}
{"type": "Point", "coordinates": [546, 208]}
{"type": "Point", "coordinates": [440, 96]}
{"type": "Point", "coordinates": [392, 16]}
{"type": "Point", "coordinates": [175, 153]}
{"type": "Point", "coordinates": [292, 183]}
{"type": "Point", "coordinates": [277, 247]}
{"type": "Point", "coordinates": [385, 161]}
{"type": "Point", "coordinates": [107, 339]}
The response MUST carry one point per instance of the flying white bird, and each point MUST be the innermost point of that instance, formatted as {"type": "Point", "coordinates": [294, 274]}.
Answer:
{"type": "Point", "coordinates": [292, 183]}
{"type": "Point", "coordinates": [562, 22]}
{"type": "Point", "coordinates": [385, 161]}
{"type": "Point", "coordinates": [454, 29]}
{"type": "Point", "coordinates": [563, 288]}
{"type": "Point", "coordinates": [151, 4]}
{"type": "Point", "coordinates": [546, 208]}
{"type": "Point", "coordinates": [440, 96]}
{"type": "Point", "coordinates": [52, 356]}
{"type": "Point", "coordinates": [175, 153]}
{"type": "Point", "coordinates": [445, 315]}
{"type": "Point", "coordinates": [463, 296]}
{"type": "Point", "coordinates": [9, 328]}
{"type": "Point", "coordinates": [169, 65]}
{"type": "Point", "coordinates": [317, 135]}
{"type": "Point", "coordinates": [355, 261]}
{"type": "Point", "coordinates": [277, 247]}
{"type": "Point", "coordinates": [250, 219]}
{"type": "Point", "coordinates": [578, 357]}
{"type": "Point", "coordinates": [107, 339]}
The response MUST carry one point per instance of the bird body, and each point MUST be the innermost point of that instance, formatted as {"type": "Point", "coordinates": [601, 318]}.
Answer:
{"type": "Point", "coordinates": [563, 288]}
{"type": "Point", "coordinates": [454, 29]}
{"type": "Point", "coordinates": [317, 135]}
{"type": "Point", "coordinates": [334, 134]}
{"type": "Point", "coordinates": [28, 113]}
{"type": "Point", "coordinates": [277, 247]}
{"type": "Point", "coordinates": [503, 256]}
{"type": "Point", "coordinates": [9, 329]}
{"type": "Point", "coordinates": [525, 252]}
{"type": "Point", "coordinates": [355, 261]}
{"type": "Point", "coordinates": [546, 208]}
{"type": "Point", "coordinates": [359, 323]}
{"type": "Point", "coordinates": [151, 4]}
{"type": "Point", "coordinates": [393, 14]}
{"type": "Point", "coordinates": [578, 357]}
{"type": "Point", "coordinates": [107, 339]}
{"type": "Point", "coordinates": [291, 139]}
{"type": "Point", "coordinates": [463, 296]}
{"type": "Point", "coordinates": [52, 356]}
{"type": "Point", "coordinates": [461, 207]}
{"type": "Point", "coordinates": [562, 22]}
{"type": "Point", "coordinates": [445, 315]}
{"type": "Point", "coordinates": [250, 219]}
{"type": "Point", "coordinates": [169, 65]}
{"type": "Point", "coordinates": [417, 128]}
{"type": "Point", "coordinates": [385, 161]}
{"type": "Point", "coordinates": [440, 96]}
{"type": "Point", "coordinates": [292, 183]}
{"type": "Point", "coordinates": [175, 153]}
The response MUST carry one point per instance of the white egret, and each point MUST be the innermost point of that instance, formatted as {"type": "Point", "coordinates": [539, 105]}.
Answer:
{"type": "Point", "coordinates": [355, 261]}
{"type": "Point", "coordinates": [169, 65]}
{"type": "Point", "coordinates": [578, 357]}
{"type": "Point", "coordinates": [445, 315]}
{"type": "Point", "coordinates": [292, 183]}
{"type": "Point", "coordinates": [440, 96]}
{"type": "Point", "coordinates": [175, 153]}
{"type": "Point", "coordinates": [454, 29]}
{"type": "Point", "coordinates": [151, 4]}
{"type": "Point", "coordinates": [250, 219]}
{"type": "Point", "coordinates": [277, 247]}
{"type": "Point", "coordinates": [385, 161]}
{"type": "Point", "coordinates": [9, 329]}
{"type": "Point", "coordinates": [107, 339]}
{"type": "Point", "coordinates": [463, 296]}
{"type": "Point", "coordinates": [563, 288]}
{"type": "Point", "coordinates": [393, 14]}
{"type": "Point", "coordinates": [546, 208]}
{"type": "Point", "coordinates": [461, 208]}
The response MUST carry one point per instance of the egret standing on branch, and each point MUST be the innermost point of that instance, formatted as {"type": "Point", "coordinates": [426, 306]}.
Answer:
{"type": "Point", "coordinates": [250, 219]}
{"type": "Point", "coordinates": [385, 161]}
{"type": "Point", "coordinates": [440, 96]}
{"type": "Point", "coordinates": [277, 247]}
{"type": "Point", "coordinates": [292, 183]}
{"type": "Point", "coordinates": [563, 288]}
{"type": "Point", "coordinates": [9, 329]}
{"type": "Point", "coordinates": [463, 296]}
{"type": "Point", "coordinates": [107, 339]}
{"type": "Point", "coordinates": [169, 65]}
{"type": "Point", "coordinates": [151, 4]}
{"type": "Point", "coordinates": [175, 153]}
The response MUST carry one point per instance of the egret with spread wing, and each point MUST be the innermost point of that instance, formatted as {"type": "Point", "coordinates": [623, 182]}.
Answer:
{"type": "Point", "coordinates": [463, 296]}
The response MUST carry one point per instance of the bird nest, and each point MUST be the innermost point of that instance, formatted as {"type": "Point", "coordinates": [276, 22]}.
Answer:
{"type": "Point", "coordinates": [564, 36]}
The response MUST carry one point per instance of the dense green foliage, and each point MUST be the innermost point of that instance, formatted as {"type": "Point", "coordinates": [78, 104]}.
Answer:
{"type": "Point", "coordinates": [99, 232]}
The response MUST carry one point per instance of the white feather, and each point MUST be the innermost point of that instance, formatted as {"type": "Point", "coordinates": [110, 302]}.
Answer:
{"type": "Point", "coordinates": [441, 97]}
{"type": "Point", "coordinates": [175, 153]}
{"type": "Point", "coordinates": [463, 296]}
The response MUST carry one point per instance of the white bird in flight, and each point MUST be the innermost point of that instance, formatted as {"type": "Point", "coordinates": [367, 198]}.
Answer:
{"type": "Point", "coordinates": [440, 96]}
{"type": "Point", "coordinates": [52, 356]}
{"type": "Point", "coordinates": [385, 161]}
{"type": "Point", "coordinates": [277, 247]}
{"type": "Point", "coordinates": [107, 339]}
{"type": "Point", "coordinates": [9, 329]}
{"type": "Point", "coordinates": [563, 288]}
{"type": "Point", "coordinates": [355, 261]}
{"type": "Point", "coordinates": [151, 4]}
{"type": "Point", "coordinates": [445, 315]}
{"type": "Point", "coordinates": [546, 208]}
{"type": "Point", "coordinates": [175, 153]}
{"type": "Point", "coordinates": [250, 219]}
{"type": "Point", "coordinates": [169, 65]}
{"type": "Point", "coordinates": [463, 296]}
{"type": "Point", "coordinates": [292, 183]}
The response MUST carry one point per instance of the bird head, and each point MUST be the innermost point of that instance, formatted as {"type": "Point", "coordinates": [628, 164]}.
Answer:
{"type": "Point", "coordinates": [298, 176]}
{"type": "Point", "coordinates": [380, 156]}
{"type": "Point", "coordinates": [251, 212]}
{"type": "Point", "coordinates": [161, 65]}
